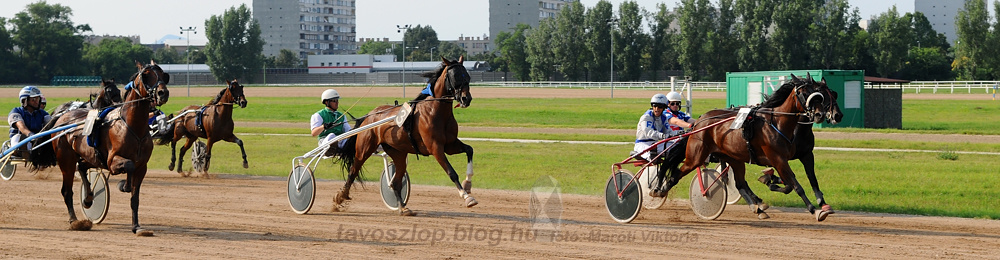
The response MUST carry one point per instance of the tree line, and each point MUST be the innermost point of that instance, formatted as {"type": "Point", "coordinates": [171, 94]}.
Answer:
{"type": "Point", "coordinates": [42, 41]}
{"type": "Point", "coordinates": [705, 40]}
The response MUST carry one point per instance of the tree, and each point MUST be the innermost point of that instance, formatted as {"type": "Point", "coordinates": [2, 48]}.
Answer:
{"type": "Point", "coordinates": [973, 30]}
{"type": "Point", "coordinates": [891, 36]}
{"type": "Point", "coordinates": [287, 59]}
{"type": "Point", "coordinates": [662, 54]}
{"type": "Point", "coordinates": [834, 31]}
{"type": "Point", "coordinates": [755, 54]}
{"type": "Point", "coordinates": [631, 41]}
{"type": "Point", "coordinates": [569, 47]}
{"type": "Point", "coordinates": [723, 43]}
{"type": "Point", "coordinates": [234, 45]}
{"type": "Point", "coordinates": [10, 64]}
{"type": "Point", "coordinates": [450, 51]}
{"type": "Point", "coordinates": [419, 41]}
{"type": "Point", "coordinates": [167, 56]}
{"type": "Point", "coordinates": [49, 43]}
{"type": "Point", "coordinates": [115, 58]}
{"type": "Point", "coordinates": [927, 63]}
{"type": "Point", "coordinates": [792, 20]}
{"type": "Point", "coordinates": [375, 48]}
{"type": "Point", "coordinates": [599, 40]}
{"type": "Point", "coordinates": [695, 27]}
{"type": "Point", "coordinates": [924, 34]}
{"type": "Point", "coordinates": [513, 52]}
{"type": "Point", "coordinates": [540, 56]}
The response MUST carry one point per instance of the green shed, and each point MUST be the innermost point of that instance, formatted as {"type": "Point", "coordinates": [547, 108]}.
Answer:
{"type": "Point", "coordinates": [749, 88]}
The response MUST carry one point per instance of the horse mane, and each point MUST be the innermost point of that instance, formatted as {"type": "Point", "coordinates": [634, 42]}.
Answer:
{"type": "Point", "coordinates": [218, 97]}
{"type": "Point", "coordinates": [779, 95]}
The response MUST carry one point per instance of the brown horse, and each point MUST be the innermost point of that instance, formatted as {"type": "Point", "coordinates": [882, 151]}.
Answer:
{"type": "Point", "coordinates": [216, 125]}
{"type": "Point", "coordinates": [805, 141]}
{"type": "Point", "coordinates": [433, 131]}
{"type": "Point", "coordinates": [769, 129]}
{"type": "Point", "coordinates": [109, 95]}
{"type": "Point", "coordinates": [123, 144]}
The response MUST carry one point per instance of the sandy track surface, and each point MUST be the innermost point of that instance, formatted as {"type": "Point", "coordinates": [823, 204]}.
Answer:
{"type": "Point", "coordinates": [249, 218]}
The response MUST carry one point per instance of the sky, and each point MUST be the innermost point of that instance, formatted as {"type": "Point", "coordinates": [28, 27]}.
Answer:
{"type": "Point", "coordinates": [375, 18]}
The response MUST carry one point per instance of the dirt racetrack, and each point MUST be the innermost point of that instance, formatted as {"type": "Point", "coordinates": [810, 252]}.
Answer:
{"type": "Point", "coordinates": [239, 217]}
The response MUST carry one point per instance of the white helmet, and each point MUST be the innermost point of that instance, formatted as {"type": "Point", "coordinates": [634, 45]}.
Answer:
{"type": "Point", "coordinates": [29, 91]}
{"type": "Point", "coordinates": [658, 99]}
{"type": "Point", "coordinates": [329, 94]}
{"type": "Point", "coordinates": [674, 96]}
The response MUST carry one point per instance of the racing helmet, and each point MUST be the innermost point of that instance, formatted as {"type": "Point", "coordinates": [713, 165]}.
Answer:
{"type": "Point", "coordinates": [29, 91]}
{"type": "Point", "coordinates": [674, 96]}
{"type": "Point", "coordinates": [658, 99]}
{"type": "Point", "coordinates": [329, 94]}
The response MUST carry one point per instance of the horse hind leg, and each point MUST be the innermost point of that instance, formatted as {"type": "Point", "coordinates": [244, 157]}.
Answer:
{"type": "Point", "coordinates": [344, 194]}
{"type": "Point", "coordinates": [180, 158]}
{"type": "Point", "coordinates": [88, 200]}
{"type": "Point", "coordinates": [739, 175]}
{"type": "Point", "coordinates": [68, 171]}
{"type": "Point", "coordinates": [399, 159]}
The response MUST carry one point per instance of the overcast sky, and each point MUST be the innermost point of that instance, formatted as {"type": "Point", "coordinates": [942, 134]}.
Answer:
{"type": "Point", "coordinates": [152, 20]}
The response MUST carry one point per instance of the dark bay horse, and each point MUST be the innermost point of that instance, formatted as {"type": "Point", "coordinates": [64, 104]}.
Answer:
{"type": "Point", "coordinates": [769, 129]}
{"type": "Point", "coordinates": [805, 141]}
{"type": "Point", "coordinates": [123, 144]}
{"type": "Point", "coordinates": [217, 125]}
{"type": "Point", "coordinates": [109, 95]}
{"type": "Point", "coordinates": [434, 132]}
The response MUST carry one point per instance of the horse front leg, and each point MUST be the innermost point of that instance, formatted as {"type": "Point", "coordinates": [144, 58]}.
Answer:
{"type": "Point", "coordinates": [459, 147]}
{"type": "Point", "coordinates": [233, 139]}
{"type": "Point", "coordinates": [808, 162]}
{"type": "Point", "coordinates": [738, 169]}
{"type": "Point", "coordinates": [788, 177]}
{"type": "Point", "coordinates": [443, 161]}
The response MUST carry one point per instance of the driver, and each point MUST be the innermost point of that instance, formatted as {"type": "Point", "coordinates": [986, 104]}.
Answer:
{"type": "Point", "coordinates": [29, 118]}
{"type": "Point", "coordinates": [328, 123]}
{"type": "Point", "coordinates": [660, 123]}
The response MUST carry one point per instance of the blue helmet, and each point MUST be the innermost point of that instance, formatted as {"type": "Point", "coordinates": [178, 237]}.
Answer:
{"type": "Point", "coordinates": [29, 91]}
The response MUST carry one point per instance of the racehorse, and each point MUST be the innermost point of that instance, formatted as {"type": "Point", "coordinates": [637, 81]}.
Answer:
{"type": "Point", "coordinates": [216, 125]}
{"type": "Point", "coordinates": [434, 131]}
{"type": "Point", "coordinates": [805, 141]}
{"type": "Point", "coordinates": [123, 144]}
{"type": "Point", "coordinates": [109, 95]}
{"type": "Point", "coordinates": [764, 141]}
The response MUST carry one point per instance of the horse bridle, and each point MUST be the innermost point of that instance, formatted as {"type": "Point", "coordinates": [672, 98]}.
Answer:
{"type": "Point", "coordinates": [452, 85]}
{"type": "Point", "coordinates": [150, 89]}
{"type": "Point", "coordinates": [804, 102]}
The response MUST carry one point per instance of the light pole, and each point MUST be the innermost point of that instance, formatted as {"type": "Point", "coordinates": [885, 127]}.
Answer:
{"type": "Point", "coordinates": [432, 53]}
{"type": "Point", "coordinates": [612, 22]}
{"type": "Point", "coordinates": [187, 53]}
{"type": "Point", "coordinates": [403, 29]}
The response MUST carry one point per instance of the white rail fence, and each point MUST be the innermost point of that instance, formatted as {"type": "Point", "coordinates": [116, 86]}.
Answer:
{"type": "Point", "coordinates": [969, 87]}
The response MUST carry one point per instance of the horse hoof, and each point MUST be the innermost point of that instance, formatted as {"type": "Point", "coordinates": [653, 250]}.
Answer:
{"type": "Point", "coordinates": [124, 188]}
{"type": "Point", "coordinates": [81, 225]}
{"type": "Point", "coordinates": [467, 186]}
{"type": "Point", "coordinates": [763, 215]}
{"type": "Point", "coordinates": [821, 215]}
{"type": "Point", "coordinates": [827, 208]}
{"type": "Point", "coordinates": [763, 206]}
{"type": "Point", "coordinates": [406, 212]}
{"type": "Point", "coordinates": [246, 165]}
{"type": "Point", "coordinates": [143, 233]}
{"type": "Point", "coordinates": [469, 202]}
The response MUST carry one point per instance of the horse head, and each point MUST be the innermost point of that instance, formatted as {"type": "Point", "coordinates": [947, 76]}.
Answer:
{"type": "Point", "coordinates": [456, 81]}
{"type": "Point", "coordinates": [809, 97]}
{"type": "Point", "coordinates": [109, 95]}
{"type": "Point", "coordinates": [151, 83]}
{"type": "Point", "coordinates": [235, 90]}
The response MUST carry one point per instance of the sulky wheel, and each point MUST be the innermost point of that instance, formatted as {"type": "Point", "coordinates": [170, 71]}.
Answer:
{"type": "Point", "coordinates": [301, 189]}
{"type": "Point", "coordinates": [626, 207]}
{"type": "Point", "coordinates": [98, 210]}
{"type": "Point", "coordinates": [732, 194]}
{"type": "Point", "coordinates": [7, 168]}
{"type": "Point", "coordinates": [646, 179]}
{"type": "Point", "coordinates": [708, 205]}
{"type": "Point", "coordinates": [388, 195]}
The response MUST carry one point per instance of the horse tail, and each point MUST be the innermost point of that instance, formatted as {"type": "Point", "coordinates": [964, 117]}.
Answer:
{"type": "Point", "coordinates": [44, 156]}
{"type": "Point", "coordinates": [675, 156]}
{"type": "Point", "coordinates": [168, 136]}
{"type": "Point", "coordinates": [346, 155]}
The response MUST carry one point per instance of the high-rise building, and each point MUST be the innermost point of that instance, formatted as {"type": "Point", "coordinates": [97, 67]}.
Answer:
{"type": "Point", "coordinates": [941, 14]}
{"type": "Point", "coordinates": [307, 27]}
{"type": "Point", "coordinates": [506, 14]}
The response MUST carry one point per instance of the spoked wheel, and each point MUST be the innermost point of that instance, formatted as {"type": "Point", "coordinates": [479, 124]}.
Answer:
{"type": "Point", "coordinates": [626, 207]}
{"type": "Point", "coordinates": [98, 210]}
{"type": "Point", "coordinates": [7, 168]}
{"type": "Point", "coordinates": [301, 189]}
{"type": "Point", "coordinates": [388, 195]}
{"type": "Point", "coordinates": [646, 179]}
{"type": "Point", "coordinates": [710, 204]}
{"type": "Point", "coordinates": [732, 194]}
